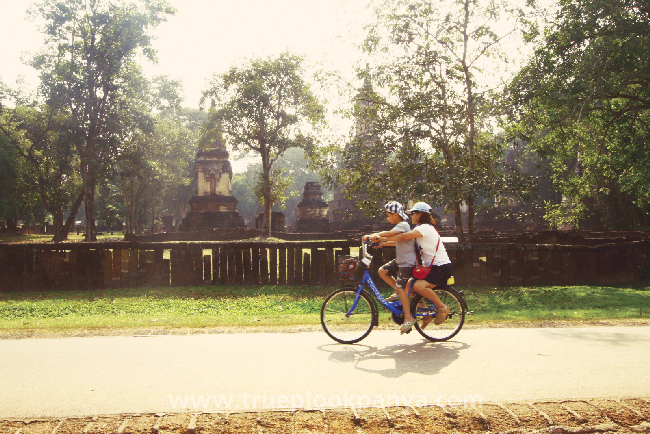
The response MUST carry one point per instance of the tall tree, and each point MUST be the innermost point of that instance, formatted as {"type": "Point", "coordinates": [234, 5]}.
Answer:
{"type": "Point", "coordinates": [17, 196]}
{"type": "Point", "coordinates": [153, 164]}
{"type": "Point", "coordinates": [584, 102]}
{"type": "Point", "coordinates": [266, 106]}
{"type": "Point", "coordinates": [41, 138]}
{"type": "Point", "coordinates": [88, 69]}
{"type": "Point", "coordinates": [429, 106]}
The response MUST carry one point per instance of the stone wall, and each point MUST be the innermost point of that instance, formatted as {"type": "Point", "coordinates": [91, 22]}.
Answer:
{"type": "Point", "coordinates": [46, 266]}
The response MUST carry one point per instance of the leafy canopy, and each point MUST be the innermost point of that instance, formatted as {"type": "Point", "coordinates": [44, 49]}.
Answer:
{"type": "Point", "coordinates": [584, 101]}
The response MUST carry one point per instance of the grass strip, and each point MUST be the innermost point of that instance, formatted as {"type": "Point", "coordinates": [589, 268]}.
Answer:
{"type": "Point", "coordinates": [280, 305]}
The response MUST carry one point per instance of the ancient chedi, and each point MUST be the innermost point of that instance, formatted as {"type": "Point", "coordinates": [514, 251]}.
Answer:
{"type": "Point", "coordinates": [213, 205]}
{"type": "Point", "coordinates": [344, 214]}
{"type": "Point", "coordinates": [312, 211]}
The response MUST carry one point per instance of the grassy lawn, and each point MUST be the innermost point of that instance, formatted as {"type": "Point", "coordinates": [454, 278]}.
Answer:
{"type": "Point", "coordinates": [287, 307]}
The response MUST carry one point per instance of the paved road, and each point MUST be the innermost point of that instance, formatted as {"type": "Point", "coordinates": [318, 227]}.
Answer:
{"type": "Point", "coordinates": [110, 375]}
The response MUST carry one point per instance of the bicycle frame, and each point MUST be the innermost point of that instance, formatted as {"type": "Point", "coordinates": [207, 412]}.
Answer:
{"type": "Point", "coordinates": [367, 280]}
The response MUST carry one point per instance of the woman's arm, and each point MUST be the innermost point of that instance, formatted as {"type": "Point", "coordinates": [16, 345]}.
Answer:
{"type": "Point", "coordinates": [379, 234]}
{"type": "Point", "coordinates": [404, 236]}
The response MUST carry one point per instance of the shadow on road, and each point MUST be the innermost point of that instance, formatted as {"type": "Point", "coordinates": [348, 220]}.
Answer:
{"type": "Point", "coordinates": [426, 358]}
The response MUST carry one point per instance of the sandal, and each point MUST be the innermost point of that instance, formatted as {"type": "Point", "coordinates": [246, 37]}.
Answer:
{"type": "Point", "coordinates": [406, 327]}
{"type": "Point", "coordinates": [393, 297]}
{"type": "Point", "coordinates": [441, 315]}
{"type": "Point", "coordinates": [425, 319]}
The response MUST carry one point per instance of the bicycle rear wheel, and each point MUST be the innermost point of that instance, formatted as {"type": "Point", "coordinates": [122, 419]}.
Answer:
{"type": "Point", "coordinates": [344, 328]}
{"type": "Point", "coordinates": [455, 318]}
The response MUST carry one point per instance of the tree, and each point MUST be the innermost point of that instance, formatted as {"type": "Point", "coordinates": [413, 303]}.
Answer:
{"type": "Point", "coordinates": [266, 107]}
{"type": "Point", "coordinates": [428, 109]}
{"type": "Point", "coordinates": [294, 171]}
{"type": "Point", "coordinates": [16, 196]}
{"type": "Point", "coordinates": [150, 173]}
{"type": "Point", "coordinates": [583, 100]}
{"type": "Point", "coordinates": [297, 166]}
{"type": "Point", "coordinates": [39, 139]}
{"type": "Point", "coordinates": [88, 70]}
{"type": "Point", "coordinates": [153, 164]}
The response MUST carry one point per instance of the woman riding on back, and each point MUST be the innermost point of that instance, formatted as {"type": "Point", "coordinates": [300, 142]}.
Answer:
{"type": "Point", "coordinates": [433, 254]}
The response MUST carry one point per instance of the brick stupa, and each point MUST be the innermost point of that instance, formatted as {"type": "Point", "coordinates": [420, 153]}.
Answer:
{"type": "Point", "coordinates": [213, 205]}
{"type": "Point", "coordinates": [311, 215]}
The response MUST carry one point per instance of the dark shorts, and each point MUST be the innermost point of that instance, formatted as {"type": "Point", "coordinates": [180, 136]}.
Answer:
{"type": "Point", "coordinates": [439, 274]}
{"type": "Point", "coordinates": [401, 274]}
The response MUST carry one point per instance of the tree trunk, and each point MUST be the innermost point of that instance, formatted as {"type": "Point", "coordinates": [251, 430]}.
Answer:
{"type": "Point", "coordinates": [458, 216]}
{"type": "Point", "coordinates": [11, 224]}
{"type": "Point", "coordinates": [470, 218]}
{"type": "Point", "coordinates": [266, 221]}
{"type": "Point", "coordinates": [471, 136]}
{"type": "Point", "coordinates": [57, 217]}
{"type": "Point", "coordinates": [89, 201]}
{"type": "Point", "coordinates": [65, 229]}
{"type": "Point", "coordinates": [266, 192]}
{"type": "Point", "coordinates": [153, 218]}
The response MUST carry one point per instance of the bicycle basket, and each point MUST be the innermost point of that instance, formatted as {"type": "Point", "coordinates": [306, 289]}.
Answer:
{"type": "Point", "coordinates": [348, 269]}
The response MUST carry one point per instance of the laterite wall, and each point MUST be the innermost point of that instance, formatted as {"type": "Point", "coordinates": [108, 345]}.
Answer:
{"type": "Point", "coordinates": [133, 264]}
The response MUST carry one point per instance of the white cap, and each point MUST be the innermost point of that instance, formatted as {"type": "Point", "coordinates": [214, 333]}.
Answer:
{"type": "Point", "coordinates": [420, 206]}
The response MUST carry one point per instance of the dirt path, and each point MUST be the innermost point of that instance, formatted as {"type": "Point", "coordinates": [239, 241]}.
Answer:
{"type": "Point", "coordinates": [45, 334]}
{"type": "Point", "coordinates": [582, 416]}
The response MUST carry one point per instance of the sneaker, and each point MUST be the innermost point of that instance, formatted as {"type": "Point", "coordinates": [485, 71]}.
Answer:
{"type": "Point", "coordinates": [393, 297]}
{"type": "Point", "coordinates": [441, 315]}
{"type": "Point", "coordinates": [406, 327]}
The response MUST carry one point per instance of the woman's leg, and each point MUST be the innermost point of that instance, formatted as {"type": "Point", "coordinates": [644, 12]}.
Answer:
{"type": "Point", "coordinates": [425, 289]}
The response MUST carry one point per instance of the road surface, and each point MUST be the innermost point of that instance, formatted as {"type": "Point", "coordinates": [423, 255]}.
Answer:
{"type": "Point", "coordinates": [68, 377]}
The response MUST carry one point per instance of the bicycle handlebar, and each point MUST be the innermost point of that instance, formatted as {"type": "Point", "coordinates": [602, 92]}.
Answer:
{"type": "Point", "coordinates": [366, 256]}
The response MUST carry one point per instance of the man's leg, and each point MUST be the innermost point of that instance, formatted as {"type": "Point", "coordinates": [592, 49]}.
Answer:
{"type": "Point", "coordinates": [386, 277]}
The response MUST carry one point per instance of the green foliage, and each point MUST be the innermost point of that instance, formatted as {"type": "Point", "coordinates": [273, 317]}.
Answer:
{"type": "Point", "coordinates": [153, 169]}
{"type": "Point", "coordinates": [584, 102]}
{"type": "Point", "coordinates": [278, 184]}
{"type": "Point", "coordinates": [426, 114]}
{"type": "Point", "coordinates": [296, 172]}
{"type": "Point", "coordinates": [266, 107]}
{"type": "Point", "coordinates": [39, 138]}
{"type": "Point", "coordinates": [89, 71]}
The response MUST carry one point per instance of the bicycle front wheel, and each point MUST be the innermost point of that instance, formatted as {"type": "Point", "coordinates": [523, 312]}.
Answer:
{"type": "Point", "coordinates": [342, 325]}
{"type": "Point", "coordinates": [455, 318]}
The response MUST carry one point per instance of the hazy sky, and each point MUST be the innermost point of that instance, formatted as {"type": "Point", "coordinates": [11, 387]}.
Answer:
{"type": "Point", "coordinates": [207, 36]}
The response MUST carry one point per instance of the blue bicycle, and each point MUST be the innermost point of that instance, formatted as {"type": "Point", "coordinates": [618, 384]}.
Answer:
{"type": "Point", "coordinates": [348, 315]}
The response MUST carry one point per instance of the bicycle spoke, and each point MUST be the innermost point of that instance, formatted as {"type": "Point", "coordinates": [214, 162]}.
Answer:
{"type": "Point", "coordinates": [341, 324]}
{"type": "Point", "coordinates": [427, 310]}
